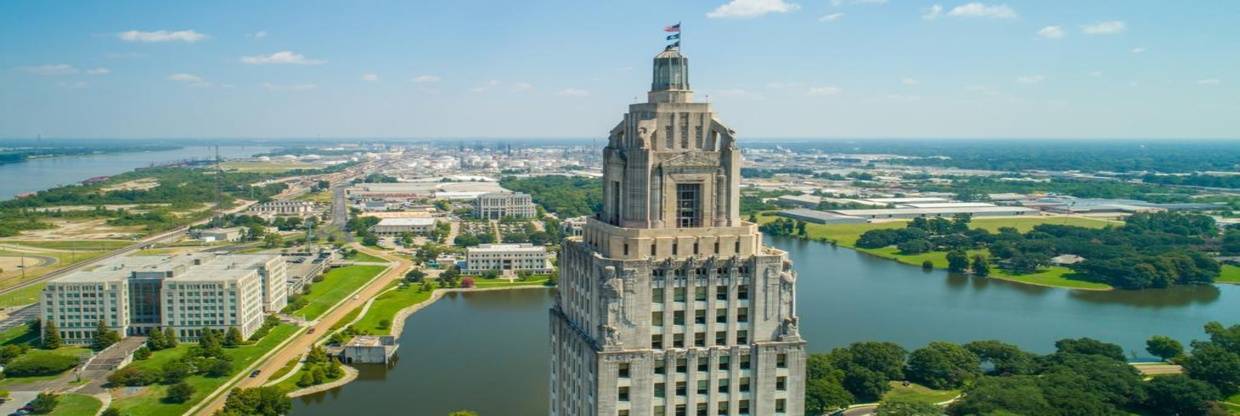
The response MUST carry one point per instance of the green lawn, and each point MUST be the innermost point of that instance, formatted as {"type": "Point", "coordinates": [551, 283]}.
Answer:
{"type": "Point", "coordinates": [1230, 274]}
{"type": "Point", "coordinates": [77, 351]}
{"type": "Point", "coordinates": [489, 283]}
{"type": "Point", "coordinates": [846, 235]}
{"type": "Point", "coordinates": [386, 305]}
{"type": "Point", "coordinates": [285, 369]}
{"type": "Point", "coordinates": [24, 296]}
{"type": "Point", "coordinates": [148, 402]}
{"type": "Point", "coordinates": [365, 258]}
{"type": "Point", "coordinates": [77, 405]}
{"type": "Point", "coordinates": [917, 392]}
{"type": "Point", "coordinates": [18, 335]}
{"type": "Point", "coordinates": [290, 384]}
{"type": "Point", "coordinates": [336, 285]}
{"type": "Point", "coordinates": [1233, 404]}
{"type": "Point", "coordinates": [79, 245]}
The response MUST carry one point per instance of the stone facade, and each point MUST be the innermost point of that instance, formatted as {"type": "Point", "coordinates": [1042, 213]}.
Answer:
{"type": "Point", "coordinates": [668, 303]}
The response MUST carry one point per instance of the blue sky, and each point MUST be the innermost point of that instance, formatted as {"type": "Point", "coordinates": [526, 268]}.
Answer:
{"type": "Point", "coordinates": [773, 68]}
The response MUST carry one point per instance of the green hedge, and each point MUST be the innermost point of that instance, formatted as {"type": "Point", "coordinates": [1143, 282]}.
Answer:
{"type": "Point", "coordinates": [40, 363]}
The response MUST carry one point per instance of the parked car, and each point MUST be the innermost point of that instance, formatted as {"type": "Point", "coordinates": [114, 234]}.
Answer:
{"type": "Point", "coordinates": [255, 373]}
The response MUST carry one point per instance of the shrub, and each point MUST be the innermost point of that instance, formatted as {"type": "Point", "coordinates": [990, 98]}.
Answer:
{"type": "Point", "coordinates": [179, 393]}
{"type": "Point", "coordinates": [133, 377]}
{"type": "Point", "coordinates": [142, 353]}
{"type": "Point", "coordinates": [44, 403]}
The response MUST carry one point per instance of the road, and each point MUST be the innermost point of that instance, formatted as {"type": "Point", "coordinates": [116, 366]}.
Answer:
{"type": "Point", "coordinates": [340, 211]}
{"type": "Point", "coordinates": [322, 326]}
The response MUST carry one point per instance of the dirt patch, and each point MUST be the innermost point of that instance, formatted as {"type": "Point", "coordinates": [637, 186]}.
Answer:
{"type": "Point", "coordinates": [134, 185]}
{"type": "Point", "coordinates": [14, 263]}
{"type": "Point", "coordinates": [95, 229]}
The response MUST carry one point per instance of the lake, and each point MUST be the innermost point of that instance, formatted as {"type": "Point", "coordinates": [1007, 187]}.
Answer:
{"type": "Point", "coordinates": [46, 173]}
{"type": "Point", "coordinates": [488, 351]}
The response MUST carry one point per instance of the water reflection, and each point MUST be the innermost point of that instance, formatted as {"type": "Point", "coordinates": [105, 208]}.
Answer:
{"type": "Point", "coordinates": [1154, 298]}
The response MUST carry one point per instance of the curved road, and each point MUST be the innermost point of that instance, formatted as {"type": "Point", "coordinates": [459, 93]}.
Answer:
{"type": "Point", "coordinates": [322, 326]}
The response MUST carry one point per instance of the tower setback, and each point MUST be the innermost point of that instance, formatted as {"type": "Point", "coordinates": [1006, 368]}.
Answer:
{"type": "Point", "coordinates": [668, 303]}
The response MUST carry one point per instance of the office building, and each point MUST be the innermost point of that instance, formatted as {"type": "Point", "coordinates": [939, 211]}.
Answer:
{"type": "Point", "coordinates": [506, 259]}
{"type": "Point", "coordinates": [497, 205]}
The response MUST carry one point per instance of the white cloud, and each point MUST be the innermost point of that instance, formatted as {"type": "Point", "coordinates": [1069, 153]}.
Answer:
{"type": "Point", "coordinates": [281, 57]}
{"type": "Point", "coordinates": [422, 79]}
{"type": "Point", "coordinates": [831, 17]}
{"type": "Point", "coordinates": [370, 77]}
{"type": "Point", "coordinates": [823, 91]}
{"type": "Point", "coordinates": [1209, 81]}
{"type": "Point", "coordinates": [1138, 50]}
{"type": "Point", "coordinates": [187, 36]}
{"type": "Point", "coordinates": [573, 92]}
{"type": "Point", "coordinates": [752, 8]}
{"type": "Point", "coordinates": [189, 79]}
{"type": "Point", "coordinates": [1000, 11]}
{"type": "Point", "coordinates": [51, 69]}
{"type": "Point", "coordinates": [909, 81]}
{"type": "Point", "coordinates": [522, 87]}
{"type": "Point", "coordinates": [1051, 32]}
{"type": "Point", "coordinates": [932, 12]}
{"type": "Point", "coordinates": [1030, 79]}
{"type": "Point", "coordinates": [288, 87]}
{"type": "Point", "coordinates": [1110, 27]}
{"type": "Point", "coordinates": [258, 35]}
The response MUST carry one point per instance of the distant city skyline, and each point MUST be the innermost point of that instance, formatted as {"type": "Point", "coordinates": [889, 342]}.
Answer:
{"type": "Point", "coordinates": [560, 69]}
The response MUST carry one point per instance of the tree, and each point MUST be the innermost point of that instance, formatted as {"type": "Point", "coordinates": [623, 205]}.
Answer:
{"type": "Point", "coordinates": [170, 338]}
{"type": "Point", "coordinates": [209, 343]}
{"type": "Point", "coordinates": [927, 265]}
{"type": "Point", "coordinates": [1090, 346]}
{"type": "Point", "coordinates": [1164, 347]}
{"type": "Point", "coordinates": [957, 261]}
{"type": "Point", "coordinates": [175, 371]}
{"type": "Point", "coordinates": [1004, 359]}
{"type": "Point", "coordinates": [334, 369]}
{"type": "Point", "coordinates": [907, 407]}
{"type": "Point", "coordinates": [104, 337]}
{"type": "Point", "coordinates": [219, 367]}
{"type": "Point", "coordinates": [980, 266]}
{"type": "Point", "coordinates": [1179, 395]}
{"type": "Point", "coordinates": [1018, 395]}
{"type": "Point", "coordinates": [51, 336]}
{"type": "Point", "coordinates": [415, 275]}
{"type": "Point", "coordinates": [467, 282]}
{"type": "Point", "coordinates": [914, 246]}
{"type": "Point", "coordinates": [943, 365]}
{"type": "Point", "coordinates": [1214, 364]}
{"type": "Point", "coordinates": [179, 393]}
{"type": "Point", "coordinates": [318, 375]}
{"type": "Point", "coordinates": [1226, 337]}
{"type": "Point", "coordinates": [306, 379]}
{"type": "Point", "coordinates": [44, 403]}
{"type": "Point", "coordinates": [233, 338]}
{"type": "Point", "coordinates": [111, 411]}
{"type": "Point", "coordinates": [155, 340]}
{"type": "Point", "coordinates": [260, 401]}
{"type": "Point", "coordinates": [868, 367]}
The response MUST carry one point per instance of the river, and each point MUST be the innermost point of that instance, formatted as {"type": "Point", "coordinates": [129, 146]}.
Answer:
{"type": "Point", "coordinates": [45, 173]}
{"type": "Point", "coordinates": [488, 351]}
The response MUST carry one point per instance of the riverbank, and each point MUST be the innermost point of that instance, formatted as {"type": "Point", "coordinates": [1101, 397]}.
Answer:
{"type": "Point", "coordinates": [846, 235]}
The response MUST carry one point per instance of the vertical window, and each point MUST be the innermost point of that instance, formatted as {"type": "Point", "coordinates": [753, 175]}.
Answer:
{"type": "Point", "coordinates": [703, 387]}
{"type": "Point", "coordinates": [657, 295]}
{"type": "Point", "coordinates": [742, 292]}
{"type": "Point", "coordinates": [652, 248]}
{"type": "Point", "coordinates": [659, 368]}
{"type": "Point", "coordinates": [678, 318]}
{"type": "Point", "coordinates": [736, 247]}
{"type": "Point", "coordinates": [660, 389]}
{"type": "Point", "coordinates": [780, 405]}
{"type": "Point", "coordinates": [695, 247]}
{"type": "Point", "coordinates": [675, 249]}
{"type": "Point", "coordinates": [656, 318]}
{"type": "Point", "coordinates": [623, 370]}
{"type": "Point", "coordinates": [723, 365]}
{"type": "Point", "coordinates": [699, 316]}
{"type": "Point", "coordinates": [742, 315]}
{"type": "Point", "coordinates": [721, 293]}
{"type": "Point", "coordinates": [744, 362]}
{"type": "Point", "coordinates": [721, 338]}
{"type": "Point", "coordinates": [623, 394]}
{"type": "Point", "coordinates": [681, 388]}
{"type": "Point", "coordinates": [781, 383]}
{"type": "Point", "coordinates": [781, 360]}
{"type": "Point", "coordinates": [678, 341]}
{"type": "Point", "coordinates": [626, 249]}
{"type": "Point", "coordinates": [678, 294]}
{"type": "Point", "coordinates": [656, 342]}
{"type": "Point", "coordinates": [716, 246]}
{"type": "Point", "coordinates": [723, 385]}
{"type": "Point", "coordinates": [703, 364]}
{"type": "Point", "coordinates": [682, 365]}
{"type": "Point", "coordinates": [699, 294]}
{"type": "Point", "coordinates": [744, 384]}
{"type": "Point", "coordinates": [688, 205]}
{"type": "Point", "coordinates": [742, 337]}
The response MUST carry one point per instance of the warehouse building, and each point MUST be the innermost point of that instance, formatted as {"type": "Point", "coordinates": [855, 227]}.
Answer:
{"type": "Point", "coordinates": [820, 217]}
{"type": "Point", "coordinates": [891, 213]}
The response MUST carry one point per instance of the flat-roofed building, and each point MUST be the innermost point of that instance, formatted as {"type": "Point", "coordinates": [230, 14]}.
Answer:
{"type": "Point", "coordinates": [137, 294]}
{"type": "Point", "coordinates": [395, 227]}
{"type": "Point", "coordinates": [991, 211]}
{"type": "Point", "coordinates": [820, 217]}
{"type": "Point", "coordinates": [231, 234]}
{"type": "Point", "coordinates": [497, 205]}
{"type": "Point", "coordinates": [284, 208]}
{"type": "Point", "coordinates": [506, 258]}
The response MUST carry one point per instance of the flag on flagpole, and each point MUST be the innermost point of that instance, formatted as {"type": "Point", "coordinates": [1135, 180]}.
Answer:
{"type": "Point", "coordinates": [674, 45]}
{"type": "Point", "coordinates": [673, 28]}
{"type": "Point", "coordinates": [673, 37]}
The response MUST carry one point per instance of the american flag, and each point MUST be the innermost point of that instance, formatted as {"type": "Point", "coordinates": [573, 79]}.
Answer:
{"type": "Point", "coordinates": [672, 28]}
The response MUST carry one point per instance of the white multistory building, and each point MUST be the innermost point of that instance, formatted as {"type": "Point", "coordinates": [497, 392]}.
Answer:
{"type": "Point", "coordinates": [136, 294]}
{"type": "Point", "coordinates": [497, 205]}
{"type": "Point", "coordinates": [506, 258]}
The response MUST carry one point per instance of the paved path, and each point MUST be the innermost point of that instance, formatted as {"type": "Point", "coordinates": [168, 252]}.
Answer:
{"type": "Point", "coordinates": [302, 344]}
{"type": "Point", "coordinates": [17, 399]}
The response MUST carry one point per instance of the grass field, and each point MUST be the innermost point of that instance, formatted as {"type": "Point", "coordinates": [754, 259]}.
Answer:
{"type": "Point", "coordinates": [336, 285]}
{"type": "Point", "coordinates": [1230, 274]}
{"type": "Point", "coordinates": [490, 283]}
{"type": "Point", "coordinates": [76, 405]}
{"type": "Point", "coordinates": [917, 392]}
{"type": "Point", "coordinates": [387, 305]}
{"type": "Point", "coordinates": [322, 197]}
{"type": "Point", "coordinates": [290, 384]}
{"type": "Point", "coordinates": [79, 245]}
{"type": "Point", "coordinates": [846, 235]}
{"type": "Point", "coordinates": [75, 351]}
{"type": "Point", "coordinates": [364, 258]}
{"type": "Point", "coordinates": [24, 296]}
{"type": "Point", "coordinates": [147, 402]}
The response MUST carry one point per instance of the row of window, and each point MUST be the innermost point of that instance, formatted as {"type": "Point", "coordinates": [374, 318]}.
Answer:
{"type": "Point", "coordinates": [699, 317]}
{"type": "Point", "coordinates": [699, 294]}
{"type": "Point", "coordinates": [781, 406]}
{"type": "Point", "coordinates": [689, 220]}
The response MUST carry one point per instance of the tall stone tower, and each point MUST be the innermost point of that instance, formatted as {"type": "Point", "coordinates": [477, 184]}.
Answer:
{"type": "Point", "coordinates": [668, 303]}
